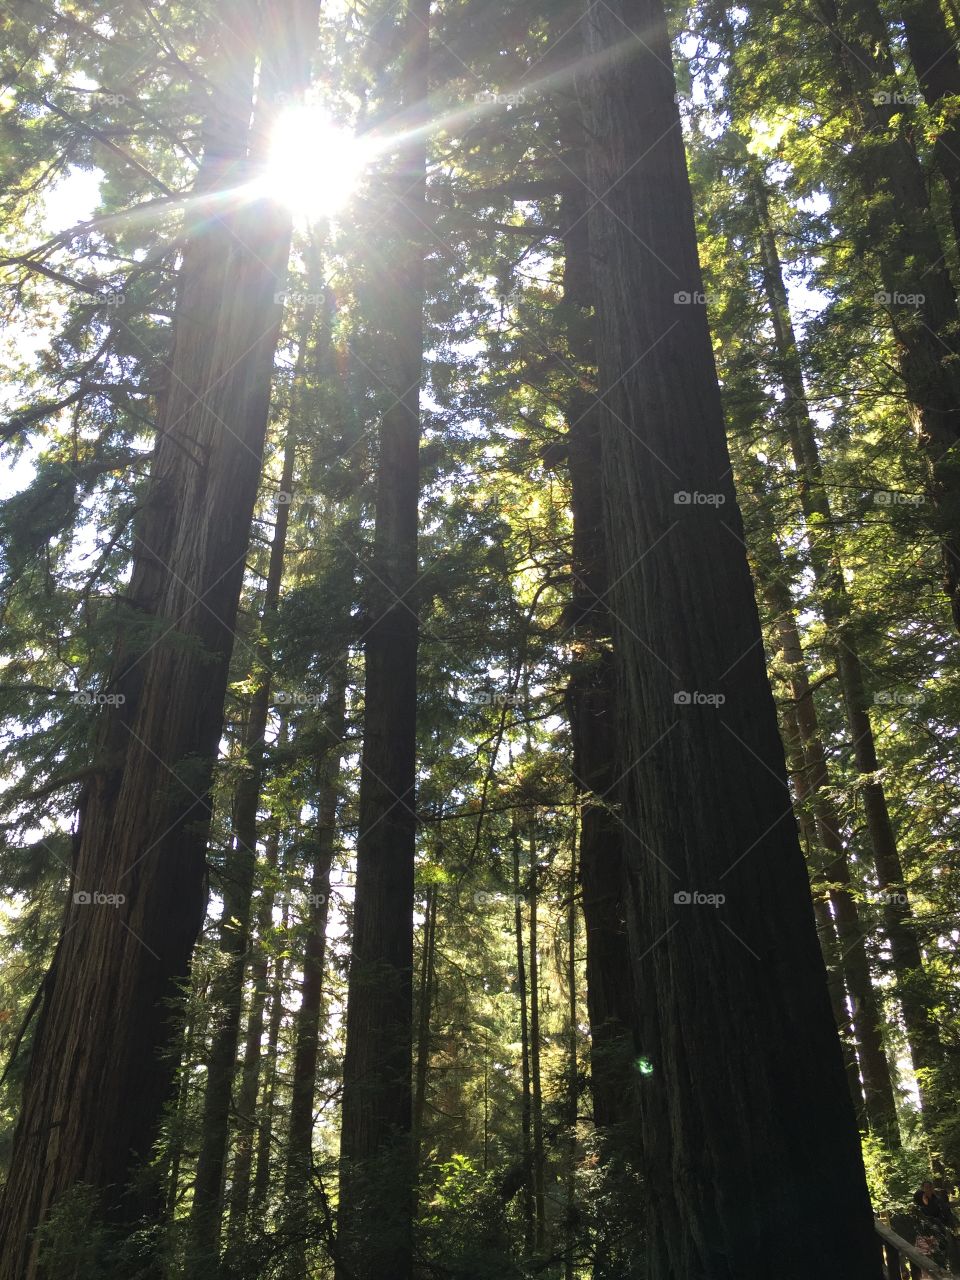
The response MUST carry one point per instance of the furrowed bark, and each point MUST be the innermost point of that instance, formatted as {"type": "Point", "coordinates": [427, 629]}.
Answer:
{"type": "Point", "coordinates": [101, 1067]}
{"type": "Point", "coordinates": [591, 699]}
{"type": "Point", "coordinates": [746, 1131]}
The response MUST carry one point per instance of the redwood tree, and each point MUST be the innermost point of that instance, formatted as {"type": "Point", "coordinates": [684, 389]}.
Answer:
{"type": "Point", "coordinates": [101, 1067]}
{"type": "Point", "coordinates": [377, 1169]}
{"type": "Point", "coordinates": [747, 1132]}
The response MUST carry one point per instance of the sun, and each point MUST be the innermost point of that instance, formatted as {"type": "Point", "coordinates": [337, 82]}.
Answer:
{"type": "Point", "coordinates": [314, 165]}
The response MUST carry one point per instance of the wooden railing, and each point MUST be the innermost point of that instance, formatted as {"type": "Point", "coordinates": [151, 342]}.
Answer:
{"type": "Point", "coordinates": [896, 1248]}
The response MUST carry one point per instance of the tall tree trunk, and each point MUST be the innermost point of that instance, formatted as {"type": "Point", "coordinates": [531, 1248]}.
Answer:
{"type": "Point", "coordinates": [591, 697]}
{"type": "Point", "coordinates": [424, 1005]}
{"type": "Point", "coordinates": [106, 1026]}
{"type": "Point", "coordinates": [526, 1104]}
{"type": "Point", "coordinates": [573, 1069]}
{"type": "Point", "coordinates": [307, 1042]}
{"type": "Point", "coordinates": [536, 1091]}
{"type": "Point", "coordinates": [250, 1064]}
{"type": "Point", "coordinates": [812, 781]}
{"type": "Point", "coordinates": [834, 601]}
{"type": "Point", "coordinates": [264, 1158]}
{"type": "Point", "coordinates": [375, 1225]}
{"type": "Point", "coordinates": [747, 1134]}
{"type": "Point", "coordinates": [933, 53]}
{"type": "Point", "coordinates": [894, 214]}
{"type": "Point", "coordinates": [238, 884]}
{"type": "Point", "coordinates": [179, 1118]}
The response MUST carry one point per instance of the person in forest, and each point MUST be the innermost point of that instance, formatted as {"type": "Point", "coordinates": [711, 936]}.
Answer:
{"type": "Point", "coordinates": [933, 1206]}
{"type": "Point", "coordinates": [934, 1219]}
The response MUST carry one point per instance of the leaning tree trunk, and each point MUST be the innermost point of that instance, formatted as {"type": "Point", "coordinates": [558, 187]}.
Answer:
{"type": "Point", "coordinates": [834, 602]}
{"type": "Point", "coordinates": [828, 856]}
{"type": "Point", "coordinates": [747, 1134]}
{"type": "Point", "coordinates": [106, 1025]}
{"type": "Point", "coordinates": [377, 1173]}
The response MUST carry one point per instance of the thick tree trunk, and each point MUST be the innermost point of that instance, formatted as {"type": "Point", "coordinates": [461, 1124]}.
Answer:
{"type": "Point", "coordinates": [376, 1173]}
{"type": "Point", "coordinates": [238, 882]}
{"type": "Point", "coordinates": [106, 1028]}
{"type": "Point", "coordinates": [307, 1044]}
{"type": "Point", "coordinates": [747, 1135]}
{"type": "Point", "coordinates": [591, 697]}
